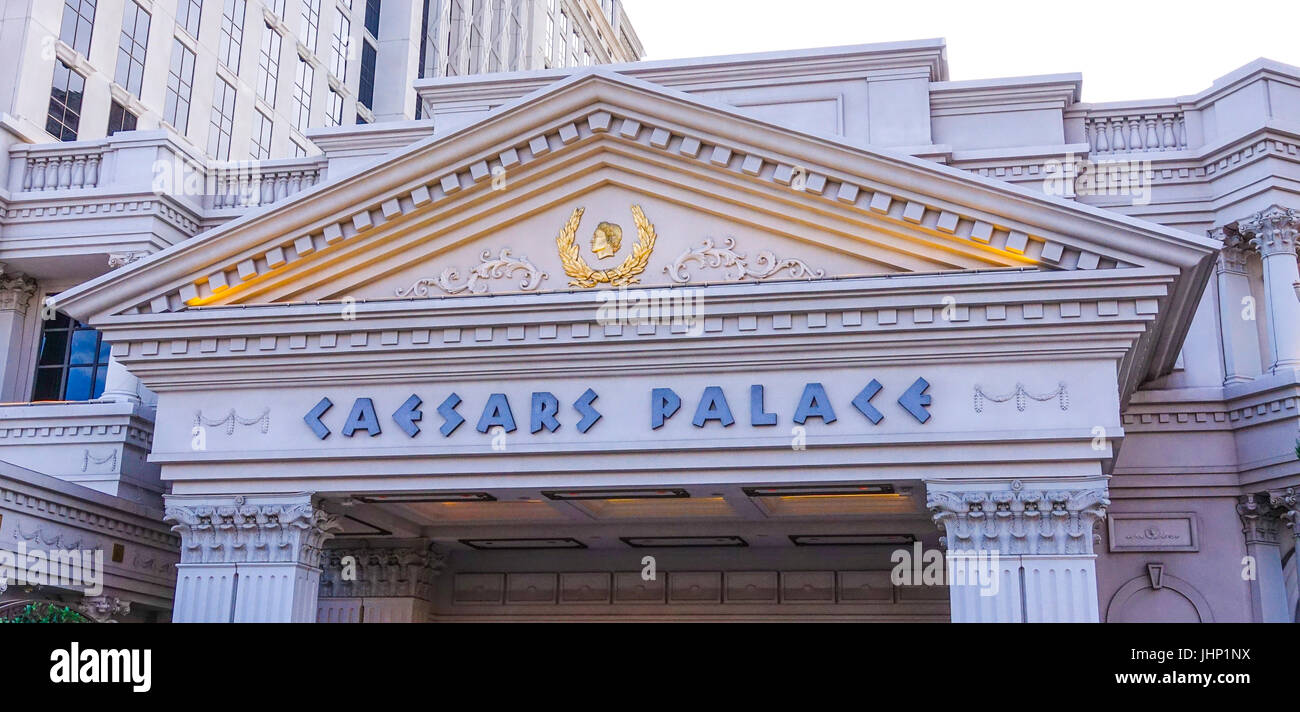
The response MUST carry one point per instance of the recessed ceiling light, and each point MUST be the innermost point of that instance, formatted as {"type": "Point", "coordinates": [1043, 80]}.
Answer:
{"type": "Point", "coordinates": [819, 490]}
{"type": "Point", "coordinates": [563, 495]}
{"type": "Point", "coordinates": [507, 544]}
{"type": "Point", "coordinates": [428, 497]}
{"type": "Point", "coordinates": [852, 539]}
{"type": "Point", "coordinates": [642, 542]}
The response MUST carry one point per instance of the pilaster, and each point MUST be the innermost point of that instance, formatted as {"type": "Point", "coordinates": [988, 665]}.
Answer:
{"type": "Point", "coordinates": [1273, 232]}
{"type": "Point", "coordinates": [16, 290]}
{"type": "Point", "coordinates": [1261, 522]}
{"type": "Point", "coordinates": [1240, 342]}
{"type": "Point", "coordinates": [248, 559]}
{"type": "Point", "coordinates": [1032, 547]}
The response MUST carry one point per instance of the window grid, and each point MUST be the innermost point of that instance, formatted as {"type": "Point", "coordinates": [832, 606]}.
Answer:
{"type": "Point", "coordinates": [372, 18]}
{"type": "Point", "coordinates": [366, 86]}
{"type": "Point", "coordinates": [303, 81]}
{"type": "Point", "coordinates": [268, 66]}
{"type": "Point", "coordinates": [232, 34]}
{"type": "Point", "coordinates": [180, 84]}
{"type": "Point", "coordinates": [78, 24]}
{"type": "Point", "coordinates": [310, 23]}
{"type": "Point", "coordinates": [223, 121]}
{"type": "Point", "coordinates": [476, 31]}
{"type": "Point", "coordinates": [334, 117]}
{"type": "Point", "coordinates": [455, 37]}
{"type": "Point", "coordinates": [342, 38]}
{"type": "Point", "coordinates": [188, 13]}
{"type": "Point", "coordinates": [131, 48]}
{"type": "Point", "coordinates": [72, 364]}
{"type": "Point", "coordinates": [261, 139]}
{"type": "Point", "coordinates": [120, 119]}
{"type": "Point", "coordinates": [64, 118]}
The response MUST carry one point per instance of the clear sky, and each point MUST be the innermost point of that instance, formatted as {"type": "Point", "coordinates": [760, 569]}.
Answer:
{"type": "Point", "coordinates": [1138, 49]}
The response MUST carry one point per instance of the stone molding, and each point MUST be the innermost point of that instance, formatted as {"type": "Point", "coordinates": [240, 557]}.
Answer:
{"type": "Point", "coordinates": [244, 532]}
{"type": "Point", "coordinates": [1016, 520]}
{"type": "Point", "coordinates": [383, 570]}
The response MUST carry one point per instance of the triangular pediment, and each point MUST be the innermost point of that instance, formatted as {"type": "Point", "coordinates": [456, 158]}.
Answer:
{"type": "Point", "coordinates": [514, 202]}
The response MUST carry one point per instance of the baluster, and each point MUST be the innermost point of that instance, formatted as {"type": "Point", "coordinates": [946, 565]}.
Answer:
{"type": "Point", "coordinates": [28, 175]}
{"type": "Point", "coordinates": [78, 172]}
{"type": "Point", "coordinates": [295, 182]}
{"type": "Point", "coordinates": [1169, 142]}
{"type": "Point", "coordinates": [92, 171]}
{"type": "Point", "coordinates": [1153, 134]}
{"type": "Point", "coordinates": [1118, 143]}
{"type": "Point", "coordinates": [1180, 127]}
{"type": "Point", "coordinates": [218, 190]}
{"type": "Point", "coordinates": [1135, 134]}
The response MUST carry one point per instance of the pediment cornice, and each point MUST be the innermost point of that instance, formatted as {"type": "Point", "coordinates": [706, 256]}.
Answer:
{"type": "Point", "coordinates": [995, 315]}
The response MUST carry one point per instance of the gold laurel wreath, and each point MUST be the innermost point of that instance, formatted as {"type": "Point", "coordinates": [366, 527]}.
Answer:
{"type": "Point", "coordinates": [627, 273]}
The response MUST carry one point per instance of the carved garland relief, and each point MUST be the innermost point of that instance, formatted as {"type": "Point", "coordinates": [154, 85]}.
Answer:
{"type": "Point", "coordinates": [606, 241]}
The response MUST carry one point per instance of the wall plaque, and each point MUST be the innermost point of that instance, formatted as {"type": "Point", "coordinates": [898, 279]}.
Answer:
{"type": "Point", "coordinates": [1153, 531]}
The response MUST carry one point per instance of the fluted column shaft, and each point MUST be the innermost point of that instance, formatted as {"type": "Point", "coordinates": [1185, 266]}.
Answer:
{"type": "Point", "coordinates": [1031, 543]}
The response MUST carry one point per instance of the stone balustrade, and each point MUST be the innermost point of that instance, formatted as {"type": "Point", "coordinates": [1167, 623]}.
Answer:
{"type": "Point", "coordinates": [155, 162]}
{"type": "Point", "coordinates": [1157, 129]}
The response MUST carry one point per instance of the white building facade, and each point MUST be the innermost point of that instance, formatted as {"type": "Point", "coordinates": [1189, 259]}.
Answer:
{"type": "Point", "coordinates": [739, 338]}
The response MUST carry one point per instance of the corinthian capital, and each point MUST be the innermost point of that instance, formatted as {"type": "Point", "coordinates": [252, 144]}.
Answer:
{"type": "Point", "coordinates": [16, 290]}
{"type": "Point", "coordinates": [380, 569]}
{"type": "Point", "coordinates": [1259, 518]}
{"type": "Point", "coordinates": [1016, 520]}
{"type": "Point", "coordinates": [1272, 231]}
{"type": "Point", "coordinates": [1232, 257]}
{"type": "Point", "coordinates": [240, 531]}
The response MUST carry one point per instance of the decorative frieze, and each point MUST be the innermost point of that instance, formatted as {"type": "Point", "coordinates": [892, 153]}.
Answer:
{"type": "Point", "coordinates": [243, 532]}
{"type": "Point", "coordinates": [737, 266]}
{"type": "Point", "coordinates": [384, 570]}
{"type": "Point", "coordinates": [503, 266]}
{"type": "Point", "coordinates": [1022, 396]}
{"type": "Point", "coordinates": [1019, 520]}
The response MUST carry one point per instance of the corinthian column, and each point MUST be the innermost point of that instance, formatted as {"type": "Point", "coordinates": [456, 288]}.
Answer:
{"type": "Point", "coordinates": [248, 559]}
{"type": "Point", "coordinates": [1028, 550]}
{"type": "Point", "coordinates": [1260, 520]}
{"type": "Point", "coordinates": [1273, 233]}
{"type": "Point", "coordinates": [16, 290]}
{"type": "Point", "coordinates": [1240, 340]}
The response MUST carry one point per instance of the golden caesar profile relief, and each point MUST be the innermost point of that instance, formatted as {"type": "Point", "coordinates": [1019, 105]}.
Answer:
{"type": "Point", "coordinates": [605, 242]}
